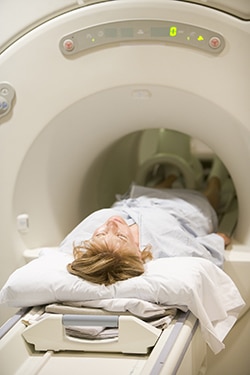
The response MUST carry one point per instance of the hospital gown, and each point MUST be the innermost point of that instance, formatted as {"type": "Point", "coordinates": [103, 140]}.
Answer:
{"type": "Point", "coordinates": [175, 222]}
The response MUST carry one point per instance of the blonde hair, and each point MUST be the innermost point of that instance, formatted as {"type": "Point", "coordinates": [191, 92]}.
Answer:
{"type": "Point", "coordinates": [100, 263]}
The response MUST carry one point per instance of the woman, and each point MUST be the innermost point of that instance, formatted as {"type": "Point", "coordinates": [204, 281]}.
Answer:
{"type": "Point", "coordinates": [151, 223]}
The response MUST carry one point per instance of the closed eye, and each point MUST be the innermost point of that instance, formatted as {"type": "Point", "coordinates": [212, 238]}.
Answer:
{"type": "Point", "coordinates": [119, 235]}
{"type": "Point", "coordinates": [100, 234]}
{"type": "Point", "coordinates": [122, 237]}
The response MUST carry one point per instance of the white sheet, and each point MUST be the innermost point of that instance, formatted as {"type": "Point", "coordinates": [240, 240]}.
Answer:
{"type": "Point", "coordinates": [100, 333]}
{"type": "Point", "coordinates": [123, 306]}
{"type": "Point", "coordinates": [194, 282]}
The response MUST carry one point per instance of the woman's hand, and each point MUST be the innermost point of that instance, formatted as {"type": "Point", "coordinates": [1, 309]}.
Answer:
{"type": "Point", "coordinates": [226, 239]}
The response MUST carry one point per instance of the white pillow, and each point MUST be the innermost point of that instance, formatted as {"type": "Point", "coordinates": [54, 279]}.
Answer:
{"type": "Point", "coordinates": [193, 282]}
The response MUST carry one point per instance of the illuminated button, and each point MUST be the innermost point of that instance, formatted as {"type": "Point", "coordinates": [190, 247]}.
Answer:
{"type": "Point", "coordinates": [68, 45]}
{"type": "Point", "coordinates": [214, 42]}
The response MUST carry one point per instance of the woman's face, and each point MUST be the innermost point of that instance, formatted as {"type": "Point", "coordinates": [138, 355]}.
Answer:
{"type": "Point", "coordinates": [116, 230]}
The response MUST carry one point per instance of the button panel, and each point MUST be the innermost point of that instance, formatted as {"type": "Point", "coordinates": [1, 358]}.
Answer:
{"type": "Point", "coordinates": [136, 31]}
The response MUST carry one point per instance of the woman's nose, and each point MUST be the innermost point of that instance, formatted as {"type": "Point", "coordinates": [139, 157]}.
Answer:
{"type": "Point", "coordinates": [112, 226]}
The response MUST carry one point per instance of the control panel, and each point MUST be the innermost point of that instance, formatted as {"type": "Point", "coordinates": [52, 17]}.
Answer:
{"type": "Point", "coordinates": [132, 31]}
{"type": "Point", "coordinates": [7, 94]}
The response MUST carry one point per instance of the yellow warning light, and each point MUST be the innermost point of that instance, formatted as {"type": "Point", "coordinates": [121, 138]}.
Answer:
{"type": "Point", "coordinates": [200, 37]}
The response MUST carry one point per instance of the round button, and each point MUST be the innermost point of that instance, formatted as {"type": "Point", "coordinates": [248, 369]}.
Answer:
{"type": "Point", "coordinates": [4, 105]}
{"type": "Point", "coordinates": [5, 91]}
{"type": "Point", "coordinates": [214, 42]}
{"type": "Point", "coordinates": [68, 45]}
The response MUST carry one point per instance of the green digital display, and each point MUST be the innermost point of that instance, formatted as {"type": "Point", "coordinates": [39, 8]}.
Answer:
{"type": "Point", "coordinates": [173, 31]}
{"type": "Point", "coordinates": [164, 31]}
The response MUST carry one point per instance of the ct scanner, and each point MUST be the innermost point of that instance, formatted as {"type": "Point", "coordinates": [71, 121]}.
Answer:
{"type": "Point", "coordinates": [83, 86]}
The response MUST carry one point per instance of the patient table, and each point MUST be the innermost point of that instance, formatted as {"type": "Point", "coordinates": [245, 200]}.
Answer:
{"type": "Point", "coordinates": [165, 352]}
